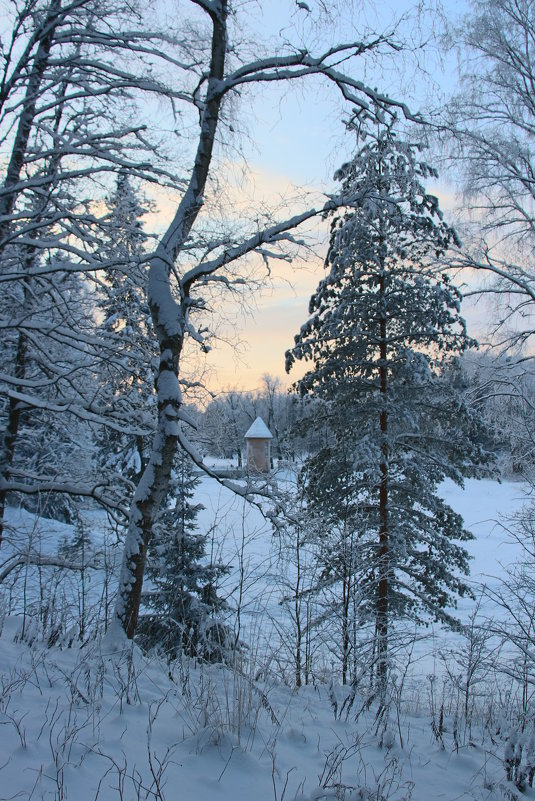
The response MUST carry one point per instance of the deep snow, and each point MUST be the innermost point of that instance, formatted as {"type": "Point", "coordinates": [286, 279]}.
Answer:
{"type": "Point", "coordinates": [81, 724]}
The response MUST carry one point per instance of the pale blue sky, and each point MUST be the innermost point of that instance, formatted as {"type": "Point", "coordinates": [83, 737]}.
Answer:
{"type": "Point", "coordinates": [296, 138]}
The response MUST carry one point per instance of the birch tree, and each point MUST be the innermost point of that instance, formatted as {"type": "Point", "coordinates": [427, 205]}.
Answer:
{"type": "Point", "coordinates": [491, 127]}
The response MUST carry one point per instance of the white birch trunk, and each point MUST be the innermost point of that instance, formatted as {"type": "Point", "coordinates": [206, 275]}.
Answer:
{"type": "Point", "coordinates": [169, 319]}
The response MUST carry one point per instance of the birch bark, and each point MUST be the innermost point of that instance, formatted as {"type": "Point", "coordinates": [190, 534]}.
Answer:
{"type": "Point", "coordinates": [169, 318]}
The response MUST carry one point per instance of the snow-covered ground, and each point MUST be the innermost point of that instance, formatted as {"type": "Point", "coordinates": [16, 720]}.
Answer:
{"type": "Point", "coordinates": [244, 539]}
{"type": "Point", "coordinates": [81, 724]}
{"type": "Point", "coordinates": [485, 507]}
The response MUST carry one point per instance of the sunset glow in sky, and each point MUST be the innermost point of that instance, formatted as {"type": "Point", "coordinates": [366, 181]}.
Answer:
{"type": "Point", "coordinates": [296, 139]}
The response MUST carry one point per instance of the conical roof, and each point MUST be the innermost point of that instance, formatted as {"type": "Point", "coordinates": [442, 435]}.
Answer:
{"type": "Point", "coordinates": [258, 430]}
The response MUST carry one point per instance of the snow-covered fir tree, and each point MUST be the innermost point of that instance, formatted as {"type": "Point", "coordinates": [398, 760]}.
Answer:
{"type": "Point", "coordinates": [383, 335]}
{"type": "Point", "coordinates": [44, 445]}
{"type": "Point", "coordinates": [126, 377]}
{"type": "Point", "coordinates": [183, 602]}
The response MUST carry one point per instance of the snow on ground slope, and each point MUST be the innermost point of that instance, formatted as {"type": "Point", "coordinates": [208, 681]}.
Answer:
{"type": "Point", "coordinates": [244, 540]}
{"type": "Point", "coordinates": [485, 507]}
{"type": "Point", "coordinates": [80, 725]}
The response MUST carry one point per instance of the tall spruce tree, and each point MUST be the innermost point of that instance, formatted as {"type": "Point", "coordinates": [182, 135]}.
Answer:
{"type": "Point", "coordinates": [383, 335]}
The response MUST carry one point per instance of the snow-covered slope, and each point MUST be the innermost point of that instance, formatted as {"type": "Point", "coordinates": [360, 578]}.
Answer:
{"type": "Point", "coordinates": [80, 724]}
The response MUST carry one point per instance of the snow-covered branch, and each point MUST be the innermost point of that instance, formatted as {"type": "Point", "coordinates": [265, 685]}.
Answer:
{"type": "Point", "coordinates": [41, 560]}
{"type": "Point", "coordinates": [302, 64]}
{"type": "Point", "coordinates": [74, 408]}
{"type": "Point", "coordinates": [115, 507]}
{"type": "Point", "coordinates": [276, 233]}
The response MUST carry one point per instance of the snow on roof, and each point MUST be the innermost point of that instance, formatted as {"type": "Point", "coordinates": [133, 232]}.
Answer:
{"type": "Point", "coordinates": [258, 430]}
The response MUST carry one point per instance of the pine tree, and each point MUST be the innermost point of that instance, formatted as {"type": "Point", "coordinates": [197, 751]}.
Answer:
{"type": "Point", "coordinates": [383, 335]}
{"type": "Point", "coordinates": [183, 601]}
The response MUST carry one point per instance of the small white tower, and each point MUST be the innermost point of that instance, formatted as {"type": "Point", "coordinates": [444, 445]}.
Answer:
{"type": "Point", "coordinates": [258, 447]}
